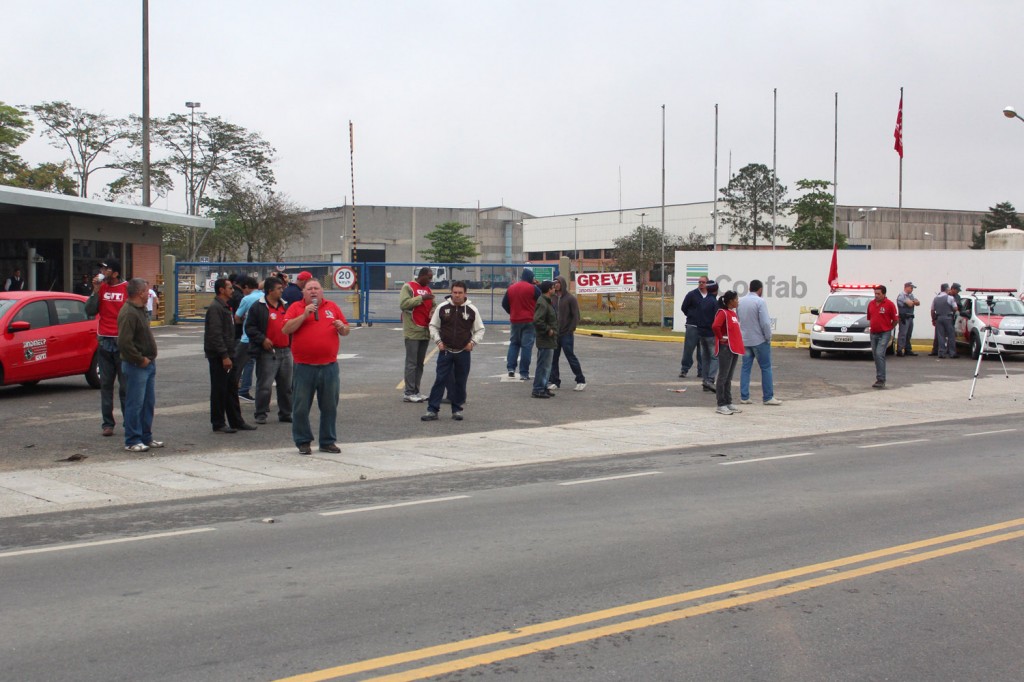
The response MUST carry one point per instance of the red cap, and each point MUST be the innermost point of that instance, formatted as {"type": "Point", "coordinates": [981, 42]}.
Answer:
{"type": "Point", "coordinates": [303, 276]}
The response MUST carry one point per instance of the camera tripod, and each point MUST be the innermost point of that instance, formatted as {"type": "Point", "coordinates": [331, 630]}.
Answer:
{"type": "Point", "coordinates": [986, 332]}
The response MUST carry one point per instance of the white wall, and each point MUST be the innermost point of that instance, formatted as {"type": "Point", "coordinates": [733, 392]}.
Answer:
{"type": "Point", "coordinates": [799, 278]}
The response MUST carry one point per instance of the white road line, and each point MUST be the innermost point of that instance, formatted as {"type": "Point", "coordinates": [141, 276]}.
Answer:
{"type": "Point", "coordinates": [765, 459]}
{"type": "Point", "coordinates": [98, 543]}
{"type": "Point", "coordinates": [393, 506]}
{"type": "Point", "coordinates": [895, 442]}
{"type": "Point", "coordinates": [610, 478]}
{"type": "Point", "coordinates": [988, 433]}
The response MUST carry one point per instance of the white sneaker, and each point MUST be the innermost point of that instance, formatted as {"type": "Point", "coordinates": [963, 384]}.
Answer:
{"type": "Point", "coordinates": [580, 387]}
{"type": "Point", "coordinates": [423, 398]}
{"type": "Point", "coordinates": [138, 447]}
{"type": "Point", "coordinates": [411, 398]}
{"type": "Point", "coordinates": [744, 402]}
{"type": "Point", "coordinates": [724, 409]}
{"type": "Point", "coordinates": [552, 387]}
{"type": "Point", "coordinates": [155, 444]}
{"type": "Point", "coordinates": [734, 408]}
{"type": "Point", "coordinates": [773, 401]}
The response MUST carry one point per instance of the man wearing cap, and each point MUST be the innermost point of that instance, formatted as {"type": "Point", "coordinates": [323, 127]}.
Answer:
{"type": "Point", "coordinates": [293, 291]}
{"type": "Point", "coordinates": [944, 309]}
{"type": "Point", "coordinates": [416, 302]}
{"type": "Point", "coordinates": [520, 302]}
{"type": "Point", "coordinates": [109, 294]}
{"type": "Point", "coordinates": [905, 304]}
{"type": "Point", "coordinates": [545, 324]}
{"type": "Point", "coordinates": [700, 308]}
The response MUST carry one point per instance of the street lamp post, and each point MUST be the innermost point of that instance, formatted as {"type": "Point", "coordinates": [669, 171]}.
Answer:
{"type": "Point", "coordinates": [867, 215]}
{"type": "Point", "coordinates": [1010, 112]}
{"type": "Point", "coordinates": [192, 157]}
{"type": "Point", "coordinates": [575, 248]}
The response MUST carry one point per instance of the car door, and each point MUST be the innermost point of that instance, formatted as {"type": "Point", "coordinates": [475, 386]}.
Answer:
{"type": "Point", "coordinates": [74, 337]}
{"type": "Point", "coordinates": [27, 356]}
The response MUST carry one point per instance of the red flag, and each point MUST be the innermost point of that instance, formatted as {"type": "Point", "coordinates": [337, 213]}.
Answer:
{"type": "Point", "coordinates": [833, 271]}
{"type": "Point", "coordinates": [898, 133]}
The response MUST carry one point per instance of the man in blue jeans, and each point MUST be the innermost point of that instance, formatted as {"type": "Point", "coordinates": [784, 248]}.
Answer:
{"type": "Point", "coordinates": [520, 301]}
{"type": "Point", "coordinates": [138, 364]}
{"type": "Point", "coordinates": [109, 295]}
{"type": "Point", "coordinates": [882, 319]}
{"type": "Point", "coordinates": [756, 326]}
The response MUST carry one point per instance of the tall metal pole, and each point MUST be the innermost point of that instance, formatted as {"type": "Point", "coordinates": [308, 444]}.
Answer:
{"type": "Point", "coordinates": [145, 104]}
{"type": "Point", "coordinates": [193, 209]}
{"type": "Point", "coordinates": [352, 168]}
{"type": "Point", "coordinates": [835, 173]}
{"type": "Point", "coordinates": [714, 233]}
{"type": "Point", "coordinates": [575, 249]}
{"type": "Point", "coordinates": [662, 215]}
{"type": "Point", "coordinates": [899, 214]}
{"type": "Point", "coordinates": [775, 194]}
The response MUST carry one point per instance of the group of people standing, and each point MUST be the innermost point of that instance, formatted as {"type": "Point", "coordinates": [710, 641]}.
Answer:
{"type": "Point", "coordinates": [721, 330]}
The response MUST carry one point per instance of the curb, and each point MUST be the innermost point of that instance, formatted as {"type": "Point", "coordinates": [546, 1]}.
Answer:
{"type": "Point", "coordinates": [681, 338]}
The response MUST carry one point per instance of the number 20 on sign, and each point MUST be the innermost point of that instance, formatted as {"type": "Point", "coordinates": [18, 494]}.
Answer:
{"type": "Point", "coordinates": [344, 277]}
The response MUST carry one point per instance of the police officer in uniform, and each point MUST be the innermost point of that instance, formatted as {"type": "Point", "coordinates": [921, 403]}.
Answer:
{"type": "Point", "coordinates": [905, 304]}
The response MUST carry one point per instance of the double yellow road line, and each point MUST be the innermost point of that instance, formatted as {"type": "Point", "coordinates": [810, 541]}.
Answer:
{"type": "Point", "coordinates": [853, 567]}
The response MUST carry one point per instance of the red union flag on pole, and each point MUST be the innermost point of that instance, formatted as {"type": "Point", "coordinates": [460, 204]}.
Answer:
{"type": "Point", "coordinates": [833, 271]}
{"type": "Point", "coordinates": [898, 133]}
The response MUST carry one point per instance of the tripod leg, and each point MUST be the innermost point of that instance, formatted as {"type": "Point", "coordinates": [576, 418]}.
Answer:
{"type": "Point", "coordinates": [977, 367]}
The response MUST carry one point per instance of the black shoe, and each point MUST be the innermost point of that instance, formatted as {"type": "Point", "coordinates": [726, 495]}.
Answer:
{"type": "Point", "coordinates": [708, 387]}
{"type": "Point", "coordinates": [331, 447]}
{"type": "Point", "coordinates": [246, 397]}
{"type": "Point", "coordinates": [304, 449]}
{"type": "Point", "coordinates": [525, 377]}
{"type": "Point", "coordinates": [244, 426]}
{"type": "Point", "coordinates": [878, 384]}
{"type": "Point", "coordinates": [260, 420]}
{"type": "Point", "coordinates": [932, 354]}
{"type": "Point", "coordinates": [287, 420]}
{"type": "Point", "coordinates": [224, 429]}
{"type": "Point", "coordinates": [457, 416]}
{"type": "Point", "coordinates": [911, 354]}
{"type": "Point", "coordinates": [682, 375]}
{"type": "Point", "coordinates": [540, 395]}
{"type": "Point", "coordinates": [953, 357]}
{"type": "Point", "coordinates": [511, 375]}
{"type": "Point", "coordinates": [430, 416]}
{"type": "Point", "coordinates": [550, 394]}
{"type": "Point", "coordinates": [899, 354]}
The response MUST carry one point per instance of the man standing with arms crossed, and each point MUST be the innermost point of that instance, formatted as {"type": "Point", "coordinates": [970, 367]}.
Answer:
{"type": "Point", "coordinates": [756, 327]}
{"type": "Point", "coordinates": [416, 302]}
{"type": "Point", "coordinates": [109, 294]}
{"type": "Point", "coordinates": [882, 317]}
{"type": "Point", "coordinates": [905, 304]}
{"type": "Point", "coordinates": [315, 325]}
{"type": "Point", "coordinates": [545, 323]}
{"type": "Point", "coordinates": [138, 364]}
{"type": "Point", "coordinates": [219, 347]}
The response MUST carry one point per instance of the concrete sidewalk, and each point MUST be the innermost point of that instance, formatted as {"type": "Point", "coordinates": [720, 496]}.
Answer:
{"type": "Point", "coordinates": [154, 478]}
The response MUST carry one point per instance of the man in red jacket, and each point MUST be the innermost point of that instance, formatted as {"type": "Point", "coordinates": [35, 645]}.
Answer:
{"type": "Point", "coordinates": [519, 302]}
{"type": "Point", "coordinates": [882, 318]}
{"type": "Point", "coordinates": [109, 294]}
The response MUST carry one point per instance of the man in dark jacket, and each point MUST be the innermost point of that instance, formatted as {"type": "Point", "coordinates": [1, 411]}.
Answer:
{"type": "Point", "coordinates": [455, 328]}
{"type": "Point", "coordinates": [545, 324]}
{"type": "Point", "coordinates": [568, 310]}
{"type": "Point", "coordinates": [219, 347]}
{"type": "Point", "coordinates": [520, 301]}
{"type": "Point", "coordinates": [137, 348]}
{"type": "Point", "coordinates": [700, 307]}
{"type": "Point", "coordinates": [270, 347]}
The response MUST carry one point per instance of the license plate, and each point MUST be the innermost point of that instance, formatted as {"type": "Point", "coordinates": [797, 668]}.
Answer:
{"type": "Point", "coordinates": [1017, 342]}
{"type": "Point", "coordinates": [843, 339]}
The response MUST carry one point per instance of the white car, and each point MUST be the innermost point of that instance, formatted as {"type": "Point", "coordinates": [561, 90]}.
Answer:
{"type": "Point", "coordinates": [841, 325]}
{"type": "Point", "coordinates": [997, 309]}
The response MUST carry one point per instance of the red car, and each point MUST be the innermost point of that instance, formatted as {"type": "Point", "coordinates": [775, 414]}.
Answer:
{"type": "Point", "coordinates": [46, 334]}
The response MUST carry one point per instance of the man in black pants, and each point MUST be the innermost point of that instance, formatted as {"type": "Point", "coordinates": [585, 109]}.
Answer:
{"type": "Point", "coordinates": [219, 346]}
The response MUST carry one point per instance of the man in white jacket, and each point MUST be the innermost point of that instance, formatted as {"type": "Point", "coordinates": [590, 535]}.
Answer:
{"type": "Point", "coordinates": [455, 328]}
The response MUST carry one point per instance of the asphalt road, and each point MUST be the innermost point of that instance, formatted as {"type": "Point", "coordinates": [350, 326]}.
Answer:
{"type": "Point", "coordinates": [60, 418]}
{"type": "Point", "coordinates": [880, 555]}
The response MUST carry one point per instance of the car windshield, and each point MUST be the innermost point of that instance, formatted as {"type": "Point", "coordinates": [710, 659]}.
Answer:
{"type": "Point", "coordinates": [846, 303]}
{"type": "Point", "coordinates": [1001, 306]}
{"type": "Point", "coordinates": [5, 305]}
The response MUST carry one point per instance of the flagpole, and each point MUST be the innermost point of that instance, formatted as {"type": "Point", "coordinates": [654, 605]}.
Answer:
{"type": "Point", "coordinates": [775, 194]}
{"type": "Point", "coordinates": [835, 174]}
{"type": "Point", "coordinates": [899, 213]}
{"type": "Point", "coordinates": [714, 234]}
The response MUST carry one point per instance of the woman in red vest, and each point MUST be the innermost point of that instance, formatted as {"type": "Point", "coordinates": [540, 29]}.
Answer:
{"type": "Point", "coordinates": [728, 347]}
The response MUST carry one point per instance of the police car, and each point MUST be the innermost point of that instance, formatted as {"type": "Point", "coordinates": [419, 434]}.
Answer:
{"type": "Point", "coordinates": [842, 324]}
{"type": "Point", "coordinates": [999, 309]}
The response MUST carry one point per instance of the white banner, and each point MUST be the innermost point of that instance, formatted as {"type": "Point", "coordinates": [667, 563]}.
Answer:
{"type": "Point", "coordinates": [605, 282]}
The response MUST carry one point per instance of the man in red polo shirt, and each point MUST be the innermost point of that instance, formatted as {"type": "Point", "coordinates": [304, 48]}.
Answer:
{"type": "Point", "coordinates": [315, 325]}
{"type": "Point", "coordinates": [882, 318]}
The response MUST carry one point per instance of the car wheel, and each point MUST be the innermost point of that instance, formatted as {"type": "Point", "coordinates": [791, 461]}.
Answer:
{"type": "Point", "coordinates": [92, 375]}
{"type": "Point", "coordinates": [815, 354]}
{"type": "Point", "coordinates": [29, 384]}
{"type": "Point", "coordinates": [975, 346]}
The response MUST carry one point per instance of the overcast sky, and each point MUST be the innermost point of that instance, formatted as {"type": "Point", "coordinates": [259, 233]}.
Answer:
{"type": "Point", "coordinates": [540, 105]}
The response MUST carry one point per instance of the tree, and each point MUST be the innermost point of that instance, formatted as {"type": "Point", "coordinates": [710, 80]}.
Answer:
{"type": "Point", "coordinates": [749, 198]}
{"type": "Point", "coordinates": [641, 250]}
{"type": "Point", "coordinates": [87, 136]}
{"type": "Point", "coordinates": [257, 219]}
{"type": "Point", "coordinates": [45, 177]}
{"type": "Point", "coordinates": [15, 128]}
{"type": "Point", "coordinates": [999, 216]}
{"type": "Point", "coordinates": [814, 217]}
{"type": "Point", "coordinates": [449, 245]}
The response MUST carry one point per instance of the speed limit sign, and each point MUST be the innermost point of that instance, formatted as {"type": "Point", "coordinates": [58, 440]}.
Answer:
{"type": "Point", "coordinates": [345, 277]}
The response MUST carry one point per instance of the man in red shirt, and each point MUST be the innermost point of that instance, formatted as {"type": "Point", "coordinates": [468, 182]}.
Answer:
{"type": "Point", "coordinates": [271, 348]}
{"type": "Point", "coordinates": [520, 302]}
{"type": "Point", "coordinates": [882, 318]}
{"type": "Point", "coordinates": [109, 294]}
{"type": "Point", "coordinates": [315, 325]}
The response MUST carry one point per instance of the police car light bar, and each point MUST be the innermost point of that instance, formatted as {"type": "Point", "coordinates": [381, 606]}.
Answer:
{"type": "Point", "coordinates": [992, 291]}
{"type": "Point", "coordinates": [853, 286]}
